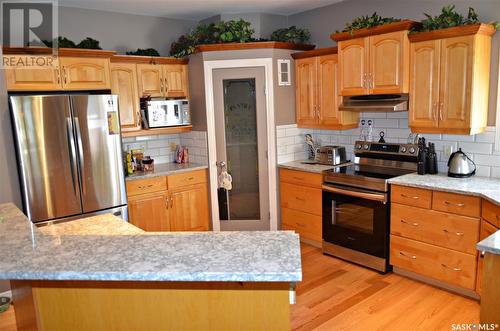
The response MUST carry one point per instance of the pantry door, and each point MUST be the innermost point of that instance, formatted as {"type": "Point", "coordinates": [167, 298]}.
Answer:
{"type": "Point", "coordinates": [242, 147]}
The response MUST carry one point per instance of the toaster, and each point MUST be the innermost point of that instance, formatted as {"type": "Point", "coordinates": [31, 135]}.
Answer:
{"type": "Point", "coordinates": [331, 155]}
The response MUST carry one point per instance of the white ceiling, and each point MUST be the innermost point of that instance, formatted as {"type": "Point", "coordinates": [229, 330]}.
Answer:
{"type": "Point", "coordinates": [198, 9]}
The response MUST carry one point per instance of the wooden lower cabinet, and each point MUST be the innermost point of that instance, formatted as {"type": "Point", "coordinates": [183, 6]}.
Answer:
{"type": "Point", "coordinates": [301, 206]}
{"type": "Point", "coordinates": [149, 211]}
{"type": "Point", "coordinates": [189, 208]}
{"type": "Point", "coordinates": [487, 230]}
{"type": "Point", "coordinates": [155, 204]}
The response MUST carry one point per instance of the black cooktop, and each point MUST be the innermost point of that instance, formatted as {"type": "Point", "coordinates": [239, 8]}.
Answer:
{"type": "Point", "coordinates": [370, 171]}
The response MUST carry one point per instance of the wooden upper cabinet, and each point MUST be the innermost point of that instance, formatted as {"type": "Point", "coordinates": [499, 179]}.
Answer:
{"type": "Point", "coordinates": [124, 84]}
{"type": "Point", "coordinates": [175, 78]}
{"type": "Point", "coordinates": [85, 73]}
{"type": "Point", "coordinates": [456, 82]}
{"type": "Point", "coordinates": [150, 79]}
{"type": "Point", "coordinates": [189, 208]}
{"type": "Point", "coordinates": [450, 84]}
{"type": "Point", "coordinates": [353, 66]}
{"type": "Point", "coordinates": [150, 211]}
{"type": "Point", "coordinates": [33, 79]}
{"type": "Point", "coordinates": [328, 94]}
{"type": "Point", "coordinates": [305, 91]}
{"type": "Point", "coordinates": [424, 86]}
{"type": "Point", "coordinates": [389, 58]}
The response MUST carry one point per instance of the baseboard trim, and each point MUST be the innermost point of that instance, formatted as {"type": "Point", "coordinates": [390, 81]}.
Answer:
{"type": "Point", "coordinates": [311, 242]}
{"type": "Point", "coordinates": [437, 283]}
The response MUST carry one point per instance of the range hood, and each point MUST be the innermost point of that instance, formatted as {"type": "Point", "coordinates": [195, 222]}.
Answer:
{"type": "Point", "coordinates": [375, 103]}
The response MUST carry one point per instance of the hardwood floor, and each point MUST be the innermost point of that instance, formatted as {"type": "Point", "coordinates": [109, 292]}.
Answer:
{"type": "Point", "coordinates": [336, 295]}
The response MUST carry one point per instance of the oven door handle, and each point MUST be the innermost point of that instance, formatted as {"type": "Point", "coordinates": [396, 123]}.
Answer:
{"type": "Point", "coordinates": [356, 193]}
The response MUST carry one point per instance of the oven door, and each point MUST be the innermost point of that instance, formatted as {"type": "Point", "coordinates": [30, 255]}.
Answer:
{"type": "Point", "coordinates": [357, 219]}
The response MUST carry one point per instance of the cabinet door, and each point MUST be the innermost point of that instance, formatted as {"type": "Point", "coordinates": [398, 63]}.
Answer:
{"type": "Point", "coordinates": [305, 91]}
{"type": "Point", "coordinates": [150, 79]}
{"type": "Point", "coordinates": [189, 208]}
{"type": "Point", "coordinates": [424, 84]}
{"type": "Point", "coordinates": [456, 81]}
{"type": "Point", "coordinates": [124, 84]}
{"type": "Point", "coordinates": [389, 63]}
{"type": "Point", "coordinates": [82, 73]}
{"type": "Point", "coordinates": [175, 80]}
{"type": "Point", "coordinates": [33, 79]}
{"type": "Point", "coordinates": [487, 230]}
{"type": "Point", "coordinates": [150, 211]}
{"type": "Point", "coordinates": [328, 90]}
{"type": "Point", "coordinates": [353, 66]}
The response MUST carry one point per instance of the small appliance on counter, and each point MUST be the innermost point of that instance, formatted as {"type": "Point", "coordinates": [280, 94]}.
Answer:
{"type": "Point", "coordinates": [460, 165]}
{"type": "Point", "coordinates": [164, 113]}
{"type": "Point", "coordinates": [331, 155]}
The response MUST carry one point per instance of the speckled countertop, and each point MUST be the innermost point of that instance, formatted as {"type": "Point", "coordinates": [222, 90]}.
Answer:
{"type": "Point", "coordinates": [107, 224]}
{"type": "Point", "coordinates": [30, 253]}
{"type": "Point", "coordinates": [305, 165]}
{"type": "Point", "coordinates": [165, 169]}
{"type": "Point", "coordinates": [488, 188]}
{"type": "Point", "coordinates": [490, 244]}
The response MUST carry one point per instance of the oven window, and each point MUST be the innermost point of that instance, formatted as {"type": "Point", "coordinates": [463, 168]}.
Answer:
{"type": "Point", "coordinates": [357, 215]}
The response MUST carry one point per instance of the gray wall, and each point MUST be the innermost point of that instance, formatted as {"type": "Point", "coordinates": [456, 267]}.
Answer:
{"type": "Point", "coordinates": [121, 32]}
{"type": "Point", "coordinates": [325, 20]}
{"type": "Point", "coordinates": [284, 96]}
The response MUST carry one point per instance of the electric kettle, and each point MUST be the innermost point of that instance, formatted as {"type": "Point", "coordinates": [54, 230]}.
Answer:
{"type": "Point", "coordinates": [460, 165]}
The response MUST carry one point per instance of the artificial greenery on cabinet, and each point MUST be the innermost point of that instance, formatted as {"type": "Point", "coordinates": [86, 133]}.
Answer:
{"type": "Point", "coordinates": [449, 18]}
{"type": "Point", "coordinates": [366, 21]}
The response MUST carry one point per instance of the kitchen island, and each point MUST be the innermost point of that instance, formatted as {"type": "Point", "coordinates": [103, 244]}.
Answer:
{"type": "Point", "coordinates": [113, 281]}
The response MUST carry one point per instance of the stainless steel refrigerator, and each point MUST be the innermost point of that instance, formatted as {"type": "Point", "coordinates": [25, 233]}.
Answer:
{"type": "Point", "coordinates": [69, 155]}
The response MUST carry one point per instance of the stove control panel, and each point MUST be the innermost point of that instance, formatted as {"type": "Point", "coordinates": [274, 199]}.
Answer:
{"type": "Point", "coordinates": [369, 147]}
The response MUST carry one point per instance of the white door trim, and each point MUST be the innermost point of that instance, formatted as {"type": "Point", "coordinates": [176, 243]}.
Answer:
{"type": "Point", "coordinates": [209, 66]}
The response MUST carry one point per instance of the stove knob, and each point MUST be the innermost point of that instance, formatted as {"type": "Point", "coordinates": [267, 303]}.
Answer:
{"type": "Point", "coordinates": [411, 150]}
{"type": "Point", "coordinates": [403, 149]}
{"type": "Point", "coordinates": [366, 146]}
{"type": "Point", "coordinates": [358, 146]}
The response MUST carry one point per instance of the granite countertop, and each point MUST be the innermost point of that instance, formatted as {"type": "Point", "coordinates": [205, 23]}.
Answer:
{"type": "Point", "coordinates": [487, 188]}
{"type": "Point", "coordinates": [165, 169]}
{"type": "Point", "coordinates": [305, 165]}
{"type": "Point", "coordinates": [31, 253]}
{"type": "Point", "coordinates": [107, 224]}
{"type": "Point", "coordinates": [490, 244]}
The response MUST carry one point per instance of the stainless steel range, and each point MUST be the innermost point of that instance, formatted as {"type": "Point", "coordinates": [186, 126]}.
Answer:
{"type": "Point", "coordinates": [356, 208]}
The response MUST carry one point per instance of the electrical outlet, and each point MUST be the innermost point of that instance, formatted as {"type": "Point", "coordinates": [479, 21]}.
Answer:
{"type": "Point", "coordinates": [448, 150]}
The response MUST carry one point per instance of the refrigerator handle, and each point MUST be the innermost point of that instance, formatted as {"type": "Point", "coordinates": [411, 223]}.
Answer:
{"type": "Point", "coordinates": [80, 154]}
{"type": "Point", "coordinates": [72, 152]}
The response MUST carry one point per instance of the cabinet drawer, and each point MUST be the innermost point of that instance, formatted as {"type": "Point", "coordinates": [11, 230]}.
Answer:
{"type": "Point", "coordinates": [141, 186]}
{"type": "Point", "coordinates": [491, 213]}
{"type": "Point", "coordinates": [435, 262]}
{"type": "Point", "coordinates": [447, 230]}
{"type": "Point", "coordinates": [187, 178]}
{"type": "Point", "coordinates": [411, 196]}
{"type": "Point", "coordinates": [456, 203]}
{"type": "Point", "coordinates": [301, 178]}
{"type": "Point", "coordinates": [301, 198]}
{"type": "Point", "coordinates": [306, 225]}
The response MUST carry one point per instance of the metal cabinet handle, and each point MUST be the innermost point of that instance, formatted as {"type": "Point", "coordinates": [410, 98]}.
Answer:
{"type": "Point", "coordinates": [165, 83]}
{"type": "Point", "coordinates": [413, 257]}
{"type": "Point", "coordinates": [441, 111]}
{"type": "Point", "coordinates": [482, 254]}
{"type": "Point", "coordinates": [171, 202]}
{"type": "Point", "coordinates": [434, 110]}
{"type": "Point", "coordinates": [451, 268]}
{"type": "Point", "coordinates": [161, 85]}
{"type": "Point", "coordinates": [410, 197]}
{"type": "Point", "coordinates": [454, 204]}
{"type": "Point", "coordinates": [145, 186]}
{"type": "Point", "coordinates": [300, 199]}
{"type": "Point", "coordinates": [190, 178]}
{"type": "Point", "coordinates": [166, 202]}
{"type": "Point", "coordinates": [58, 75]}
{"type": "Point", "coordinates": [370, 81]}
{"type": "Point", "coordinates": [412, 224]}
{"type": "Point", "coordinates": [460, 234]}
{"type": "Point", "coordinates": [301, 225]}
{"type": "Point", "coordinates": [364, 80]}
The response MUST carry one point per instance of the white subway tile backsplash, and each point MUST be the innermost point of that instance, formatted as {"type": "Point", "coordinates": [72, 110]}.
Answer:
{"type": "Point", "coordinates": [395, 125]}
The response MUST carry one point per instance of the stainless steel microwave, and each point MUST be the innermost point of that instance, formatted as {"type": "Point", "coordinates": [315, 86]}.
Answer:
{"type": "Point", "coordinates": [163, 113]}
